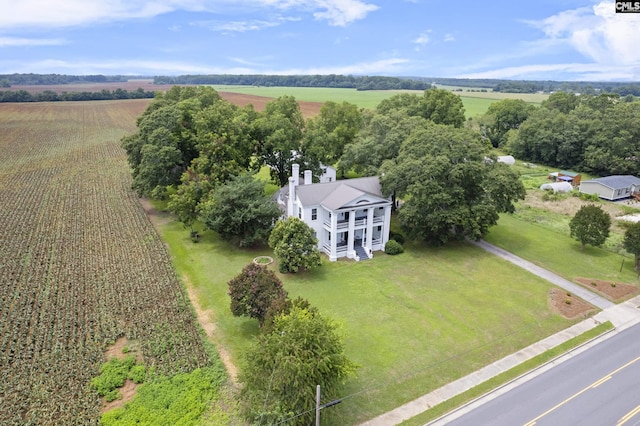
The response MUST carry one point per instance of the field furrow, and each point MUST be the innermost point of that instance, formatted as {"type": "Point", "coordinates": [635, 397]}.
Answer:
{"type": "Point", "coordinates": [80, 263]}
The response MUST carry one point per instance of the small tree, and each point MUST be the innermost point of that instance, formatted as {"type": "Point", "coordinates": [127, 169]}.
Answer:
{"type": "Point", "coordinates": [295, 244]}
{"type": "Point", "coordinates": [631, 242]}
{"type": "Point", "coordinates": [255, 291]}
{"type": "Point", "coordinates": [240, 210]}
{"type": "Point", "coordinates": [284, 366]}
{"type": "Point", "coordinates": [590, 225]}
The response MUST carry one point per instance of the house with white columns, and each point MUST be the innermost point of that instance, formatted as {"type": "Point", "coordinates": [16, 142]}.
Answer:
{"type": "Point", "coordinates": [351, 217]}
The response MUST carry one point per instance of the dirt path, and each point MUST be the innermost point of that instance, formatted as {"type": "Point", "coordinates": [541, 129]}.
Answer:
{"type": "Point", "coordinates": [205, 316]}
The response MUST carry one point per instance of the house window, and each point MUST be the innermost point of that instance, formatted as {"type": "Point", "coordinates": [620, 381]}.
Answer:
{"type": "Point", "coordinates": [314, 214]}
{"type": "Point", "coordinates": [299, 212]}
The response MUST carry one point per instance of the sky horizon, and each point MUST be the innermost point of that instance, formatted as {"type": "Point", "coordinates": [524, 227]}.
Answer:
{"type": "Point", "coordinates": [562, 40]}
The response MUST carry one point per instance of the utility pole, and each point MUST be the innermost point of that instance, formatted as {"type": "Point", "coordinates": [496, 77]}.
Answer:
{"type": "Point", "coordinates": [320, 407]}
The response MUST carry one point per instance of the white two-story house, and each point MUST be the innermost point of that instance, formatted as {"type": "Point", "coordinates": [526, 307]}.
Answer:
{"type": "Point", "coordinates": [350, 217]}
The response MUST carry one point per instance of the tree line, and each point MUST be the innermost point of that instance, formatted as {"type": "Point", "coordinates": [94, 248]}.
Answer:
{"type": "Point", "coordinates": [30, 79]}
{"type": "Point", "coordinates": [330, 81]}
{"type": "Point", "coordinates": [196, 150]}
{"type": "Point", "coordinates": [598, 134]}
{"type": "Point", "coordinates": [546, 86]}
{"type": "Point", "coordinates": [51, 96]}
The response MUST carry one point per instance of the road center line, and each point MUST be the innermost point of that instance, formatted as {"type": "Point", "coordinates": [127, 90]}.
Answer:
{"type": "Point", "coordinates": [599, 382]}
{"type": "Point", "coordinates": [591, 386]}
{"type": "Point", "coordinates": [628, 416]}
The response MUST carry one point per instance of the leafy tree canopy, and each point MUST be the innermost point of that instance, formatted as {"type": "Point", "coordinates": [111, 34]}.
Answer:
{"type": "Point", "coordinates": [590, 225]}
{"type": "Point", "coordinates": [295, 245]}
{"type": "Point", "coordinates": [240, 210]}
{"type": "Point", "coordinates": [505, 115]}
{"type": "Point", "coordinates": [442, 107]}
{"type": "Point", "coordinates": [278, 133]}
{"type": "Point", "coordinates": [254, 291]}
{"type": "Point", "coordinates": [631, 242]}
{"type": "Point", "coordinates": [284, 366]}
{"type": "Point", "coordinates": [451, 190]}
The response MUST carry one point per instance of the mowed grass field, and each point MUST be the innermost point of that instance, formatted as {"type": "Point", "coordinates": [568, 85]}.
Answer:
{"type": "Point", "coordinates": [413, 322]}
{"type": "Point", "coordinates": [80, 263]}
{"type": "Point", "coordinates": [475, 103]}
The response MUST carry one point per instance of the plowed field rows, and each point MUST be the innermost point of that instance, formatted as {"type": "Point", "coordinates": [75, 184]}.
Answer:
{"type": "Point", "coordinates": [80, 263]}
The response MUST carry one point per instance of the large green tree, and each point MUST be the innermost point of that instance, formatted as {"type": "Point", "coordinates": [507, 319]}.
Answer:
{"type": "Point", "coordinates": [442, 107]}
{"type": "Point", "coordinates": [283, 367]}
{"type": "Point", "coordinates": [590, 225]}
{"type": "Point", "coordinates": [165, 143]}
{"type": "Point", "coordinates": [254, 291]}
{"type": "Point", "coordinates": [295, 245]}
{"type": "Point", "coordinates": [379, 140]}
{"type": "Point", "coordinates": [240, 210]}
{"type": "Point", "coordinates": [340, 123]}
{"type": "Point", "coordinates": [450, 189]}
{"type": "Point", "coordinates": [278, 133]}
{"type": "Point", "coordinates": [505, 115]}
{"type": "Point", "coordinates": [632, 242]}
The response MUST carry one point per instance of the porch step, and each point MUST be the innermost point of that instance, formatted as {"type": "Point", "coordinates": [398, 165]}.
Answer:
{"type": "Point", "coordinates": [361, 252]}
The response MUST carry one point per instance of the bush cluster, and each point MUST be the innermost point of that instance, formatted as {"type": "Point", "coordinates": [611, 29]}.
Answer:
{"type": "Point", "coordinates": [113, 375]}
{"type": "Point", "coordinates": [393, 247]}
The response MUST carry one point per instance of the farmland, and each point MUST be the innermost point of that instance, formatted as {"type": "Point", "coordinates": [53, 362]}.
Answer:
{"type": "Point", "coordinates": [81, 265]}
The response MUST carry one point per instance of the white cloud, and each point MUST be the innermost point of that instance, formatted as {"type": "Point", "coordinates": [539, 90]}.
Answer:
{"type": "Point", "coordinates": [573, 71]}
{"type": "Point", "coordinates": [26, 42]}
{"type": "Point", "coordinates": [64, 13]}
{"type": "Point", "coordinates": [449, 37]}
{"type": "Point", "coordinates": [143, 67]}
{"type": "Point", "coordinates": [342, 12]}
{"type": "Point", "coordinates": [239, 26]}
{"type": "Point", "coordinates": [422, 38]}
{"type": "Point", "coordinates": [596, 32]}
{"type": "Point", "coordinates": [384, 66]}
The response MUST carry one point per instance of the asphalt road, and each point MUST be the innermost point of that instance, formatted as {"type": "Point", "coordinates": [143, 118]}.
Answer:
{"type": "Point", "coordinates": [600, 386]}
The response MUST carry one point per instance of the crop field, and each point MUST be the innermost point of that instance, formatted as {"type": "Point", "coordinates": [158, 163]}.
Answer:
{"type": "Point", "coordinates": [80, 263]}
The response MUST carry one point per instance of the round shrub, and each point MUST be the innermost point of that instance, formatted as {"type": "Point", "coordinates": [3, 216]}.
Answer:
{"type": "Point", "coordinates": [393, 247]}
{"type": "Point", "coordinates": [396, 236]}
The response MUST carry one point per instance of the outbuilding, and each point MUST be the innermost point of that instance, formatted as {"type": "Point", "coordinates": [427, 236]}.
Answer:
{"type": "Point", "coordinates": [557, 187]}
{"type": "Point", "coordinates": [612, 188]}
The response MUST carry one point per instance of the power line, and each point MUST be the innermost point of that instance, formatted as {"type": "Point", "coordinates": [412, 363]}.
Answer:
{"type": "Point", "coordinates": [416, 372]}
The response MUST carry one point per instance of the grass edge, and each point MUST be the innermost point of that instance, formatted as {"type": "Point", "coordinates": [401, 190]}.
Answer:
{"type": "Point", "coordinates": [506, 377]}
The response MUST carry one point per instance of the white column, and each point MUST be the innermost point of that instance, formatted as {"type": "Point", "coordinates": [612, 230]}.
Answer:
{"type": "Point", "coordinates": [352, 225]}
{"type": "Point", "coordinates": [334, 237]}
{"type": "Point", "coordinates": [387, 225]}
{"type": "Point", "coordinates": [369, 241]}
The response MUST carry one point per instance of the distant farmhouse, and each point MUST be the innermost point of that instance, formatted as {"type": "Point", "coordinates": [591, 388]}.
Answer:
{"type": "Point", "coordinates": [351, 218]}
{"type": "Point", "coordinates": [612, 187]}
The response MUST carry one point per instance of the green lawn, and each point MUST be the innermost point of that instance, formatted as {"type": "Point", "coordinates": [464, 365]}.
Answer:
{"type": "Point", "coordinates": [474, 103]}
{"type": "Point", "coordinates": [363, 98]}
{"type": "Point", "coordinates": [543, 238]}
{"type": "Point", "coordinates": [413, 322]}
{"type": "Point", "coordinates": [506, 376]}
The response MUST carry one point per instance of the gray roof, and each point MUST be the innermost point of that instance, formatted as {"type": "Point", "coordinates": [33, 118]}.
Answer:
{"type": "Point", "coordinates": [617, 181]}
{"type": "Point", "coordinates": [334, 195]}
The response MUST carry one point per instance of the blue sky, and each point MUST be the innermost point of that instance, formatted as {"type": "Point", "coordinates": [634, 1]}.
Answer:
{"type": "Point", "coordinates": [538, 39]}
